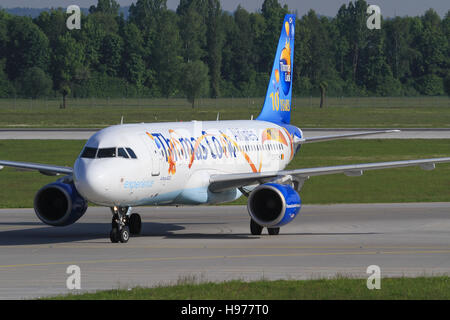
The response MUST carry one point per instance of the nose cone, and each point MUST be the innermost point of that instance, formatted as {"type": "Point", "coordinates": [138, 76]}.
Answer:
{"type": "Point", "coordinates": [91, 181]}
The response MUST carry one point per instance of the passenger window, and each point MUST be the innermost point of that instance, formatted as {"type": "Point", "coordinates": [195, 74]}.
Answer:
{"type": "Point", "coordinates": [122, 153]}
{"type": "Point", "coordinates": [89, 153]}
{"type": "Point", "coordinates": [131, 153]}
{"type": "Point", "coordinates": [106, 153]}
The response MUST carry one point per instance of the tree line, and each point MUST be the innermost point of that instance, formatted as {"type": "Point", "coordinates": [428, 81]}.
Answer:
{"type": "Point", "coordinates": [202, 50]}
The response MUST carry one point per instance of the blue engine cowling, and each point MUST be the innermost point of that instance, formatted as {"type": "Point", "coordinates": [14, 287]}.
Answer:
{"type": "Point", "coordinates": [59, 204]}
{"type": "Point", "coordinates": [273, 205]}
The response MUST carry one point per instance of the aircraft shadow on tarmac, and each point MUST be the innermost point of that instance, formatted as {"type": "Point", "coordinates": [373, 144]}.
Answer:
{"type": "Point", "coordinates": [100, 232]}
{"type": "Point", "coordinates": [248, 236]}
{"type": "Point", "coordinates": [74, 233]}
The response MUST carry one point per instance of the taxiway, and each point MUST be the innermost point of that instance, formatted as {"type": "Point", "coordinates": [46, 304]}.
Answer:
{"type": "Point", "coordinates": [214, 244]}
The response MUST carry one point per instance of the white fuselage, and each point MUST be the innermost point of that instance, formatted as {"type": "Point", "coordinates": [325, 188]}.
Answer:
{"type": "Point", "coordinates": [172, 161]}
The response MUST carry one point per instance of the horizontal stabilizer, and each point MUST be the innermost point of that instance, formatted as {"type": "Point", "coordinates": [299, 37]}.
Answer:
{"type": "Point", "coordinates": [342, 136]}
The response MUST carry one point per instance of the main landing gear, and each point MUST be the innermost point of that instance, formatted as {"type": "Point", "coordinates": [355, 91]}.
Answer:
{"type": "Point", "coordinates": [256, 229]}
{"type": "Point", "coordinates": [124, 224]}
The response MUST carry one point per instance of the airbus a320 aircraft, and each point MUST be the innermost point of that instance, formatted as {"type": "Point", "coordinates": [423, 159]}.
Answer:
{"type": "Point", "coordinates": [194, 163]}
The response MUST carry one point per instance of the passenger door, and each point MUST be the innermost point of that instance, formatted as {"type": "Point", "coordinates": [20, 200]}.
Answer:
{"type": "Point", "coordinates": [155, 154]}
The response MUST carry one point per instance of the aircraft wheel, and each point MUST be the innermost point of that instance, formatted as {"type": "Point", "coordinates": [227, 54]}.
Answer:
{"type": "Point", "coordinates": [114, 224]}
{"type": "Point", "coordinates": [273, 231]}
{"type": "Point", "coordinates": [114, 235]}
{"type": "Point", "coordinates": [124, 234]}
{"type": "Point", "coordinates": [135, 224]}
{"type": "Point", "coordinates": [255, 228]}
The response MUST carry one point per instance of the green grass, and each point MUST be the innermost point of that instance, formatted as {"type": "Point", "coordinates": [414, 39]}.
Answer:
{"type": "Point", "coordinates": [423, 112]}
{"type": "Point", "coordinates": [421, 288]}
{"type": "Point", "coordinates": [17, 189]}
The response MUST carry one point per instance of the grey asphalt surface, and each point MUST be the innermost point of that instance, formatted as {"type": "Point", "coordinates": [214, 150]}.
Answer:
{"type": "Point", "coordinates": [213, 243]}
{"type": "Point", "coordinates": [84, 134]}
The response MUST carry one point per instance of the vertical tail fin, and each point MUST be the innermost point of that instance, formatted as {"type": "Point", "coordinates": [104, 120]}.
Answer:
{"type": "Point", "coordinates": [277, 105]}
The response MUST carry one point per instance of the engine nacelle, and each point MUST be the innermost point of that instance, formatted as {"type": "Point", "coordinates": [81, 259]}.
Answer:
{"type": "Point", "coordinates": [273, 205]}
{"type": "Point", "coordinates": [59, 204]}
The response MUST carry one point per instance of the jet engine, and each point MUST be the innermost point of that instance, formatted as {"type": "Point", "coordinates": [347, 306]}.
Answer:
{"type": "Point", "coordinates": [273, 205]}
{"type": "Point", "coordinates": [59, 204]}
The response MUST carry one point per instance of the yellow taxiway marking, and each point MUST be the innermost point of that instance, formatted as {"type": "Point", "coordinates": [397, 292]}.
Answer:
{"type": "Point", "coordinates": [221, 257]}
{"type": "Point", "coordinates": [128, 246]}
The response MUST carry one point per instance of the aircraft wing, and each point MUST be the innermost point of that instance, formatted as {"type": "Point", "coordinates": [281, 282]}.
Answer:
{"type": "Point", "coordinates": [46, 169]}
{"type": "Point", "coordinates": [342, 136]}
{"type": "Point", "coordinates": [222, 182]}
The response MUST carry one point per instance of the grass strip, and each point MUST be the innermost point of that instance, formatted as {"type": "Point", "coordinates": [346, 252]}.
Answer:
{"type": "Point", "coordinates": [340, 288]}
{"type": "Point", "coordinates": [418, 112]}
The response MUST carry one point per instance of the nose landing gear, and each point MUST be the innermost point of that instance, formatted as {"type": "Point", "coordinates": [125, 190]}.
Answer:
{"type": "Point", "coordinates": [124, 224]}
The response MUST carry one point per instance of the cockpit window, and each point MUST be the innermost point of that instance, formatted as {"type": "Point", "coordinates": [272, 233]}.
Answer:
{"type": "Point", "coordinates": [106, 153]}
{"type": "Point", "coordinates": [89, 153]}
{"type": "Point", "coordinates": [122, 153]}
{"type": "Point", "coordinates": [131, 153]}
{"type": "Point", "coordinates": [92, 153]}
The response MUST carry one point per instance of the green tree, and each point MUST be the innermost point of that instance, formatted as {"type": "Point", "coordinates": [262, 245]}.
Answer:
{"type": "Point", "coordinates": [35, 83]}
{"type": "Point", "coordinates": [5, 84]}
{"type": "Point", "coordinates": [433, 44]}
{"type": "Point", "coordinates": [430, 66]}
{"type": "Point", "coordinates": [319, 65]}
{"type": "Point", "coordinates": [214, 38]}
{"type": "Point", "coordinates": [194, 82]}
{"type": "Point", "coordinates": [397, 46]}
{"type": "Point", "coordinates": [6, 87]}
{"type": "Point", "coordinates": [133, 66]}
{"type": "Point", "coordinates": [53, 24]}
{"type": "Point", "coordinates": [4, 20]}
{"type": "Point", "coordinates": [111, 54]}
{"type": "Point", "coordinates": [27, 47]}
{"type": "Point", "coordinates": [193, 34]}
{"type": "Point", "coordinates": [323, 88]}
{"type": "Point", "coordinates": [148, 16]}
{"type": "Point", "coordinates": [447, 84]}
{"type": "Point", "coordinates": [273, 14]}
{"type": "Point", "coordinates": [67, 58]}
{"type": "Point", "coordinates": [431, 85]}
{"type": "Point", "coordinates": [106, 6]}
{"type": "Point", "coordinates": [167, 54]}
{"type": "Point", "coordinates": [227, 65]}
{"type": "Point", "coordinates": [92, 35]}
{"type": "Point", "coordinates": [242, 65]}
{"type": "Point", "coordinates": [351, 21]}
{"type": "Point", "coordinates": [65, 91]}
{"type": "Point", "coordinates": [302, 58]}
{"type": "Point", "coordinates": [374, 71]}
{"type": "Point", "coordinates": [258, 29]}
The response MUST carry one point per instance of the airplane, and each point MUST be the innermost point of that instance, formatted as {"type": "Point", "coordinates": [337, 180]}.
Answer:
{"type": "Point", "coordinates": [196, 163]}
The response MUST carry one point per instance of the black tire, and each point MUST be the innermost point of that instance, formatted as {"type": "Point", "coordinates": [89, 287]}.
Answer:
{"type": "Point", "coordinates": [255, 229]}
{"type": "Point", "coordinates": [114, 235]}
{"type": "Point", "coordinates": [114, 224]}
{"type": "Point", "coordinates": [135, 224]}
{"type": "Point", "coordinates": [273, 231]}
{"type": "Point", "coordinates": [124, 234]}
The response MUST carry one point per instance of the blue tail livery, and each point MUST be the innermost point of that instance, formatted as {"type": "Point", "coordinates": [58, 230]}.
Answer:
{"type": "Point", "coordinates": [277, 105]}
